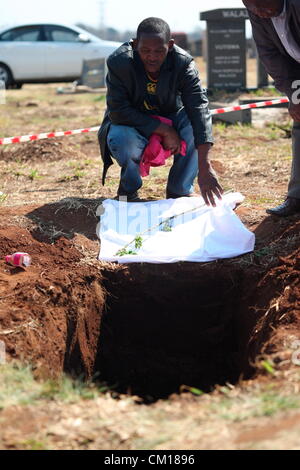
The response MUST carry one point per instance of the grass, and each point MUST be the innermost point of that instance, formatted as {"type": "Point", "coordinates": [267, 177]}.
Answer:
{"type": "Point", "coordinates": [34, 174]}
{"type": "Point", "coordinates": [260, 92]}
{"type": "Point", "coordinates": [272, 403]}
{"type": "Point", "coordinates": [267, 256]}
{"type": "Point", "coordinates": [3, 197]}
{"type": "Point", "coordinates": [18, 387]}
{"type": "Point", "coordinates": [32, 444]}
{"type": "Point", "coordinates": [100, 98]}
{"type": "Point", "coordinates": [255, 406]}
{"type": "Point", "coordinates": [76, 180]}
{"type": "Point", "coordinates": [233, 145]}
{"type": "Point", "coordinates": [168, 424]}
{"type": "Point", "coordinates": [78, 174]}
{"type": "Point", "coordinates": [260, 400]}
{"type": "Point", "coordinates": [262, 200]}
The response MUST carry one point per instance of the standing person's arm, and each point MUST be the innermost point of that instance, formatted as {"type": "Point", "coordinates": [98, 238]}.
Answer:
{"type": "Point", "coordinates": [280, 67]}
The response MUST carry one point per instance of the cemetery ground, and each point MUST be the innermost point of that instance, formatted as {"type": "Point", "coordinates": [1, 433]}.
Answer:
{"type": "Point", "coordinates": [101, 356]}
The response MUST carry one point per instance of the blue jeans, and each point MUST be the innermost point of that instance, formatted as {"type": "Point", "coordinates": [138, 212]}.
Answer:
{"type": "Point", "coordinates": [127, 145]}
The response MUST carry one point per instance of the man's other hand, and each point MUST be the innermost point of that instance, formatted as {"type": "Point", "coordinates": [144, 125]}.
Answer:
{"type": "Point", "coordinates": [294, 110]}
{"type": "Point", "coordinates": [170, 139]}
{"type": "Point", "coordinates": [209, 185]}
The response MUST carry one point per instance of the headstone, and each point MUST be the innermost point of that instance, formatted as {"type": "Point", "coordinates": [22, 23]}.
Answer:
{"type": "Point", "coordinates": [226, 48]}
{"type": "Point", "coordinates": [93, 73]}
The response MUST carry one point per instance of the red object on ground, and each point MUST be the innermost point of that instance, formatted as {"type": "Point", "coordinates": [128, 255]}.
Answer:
{"type": "Point", "coordinates": [20, 259]}
{"type": "Point", "coordinates": [154, 154]}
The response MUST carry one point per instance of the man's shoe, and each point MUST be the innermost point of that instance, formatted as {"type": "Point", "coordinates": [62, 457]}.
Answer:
{"type": "Point", "coordinates": [131, 197]}
{"type": "Point", "coordinates": [176, 196]}
{"type": "Point", "coordinates": [289, 207]}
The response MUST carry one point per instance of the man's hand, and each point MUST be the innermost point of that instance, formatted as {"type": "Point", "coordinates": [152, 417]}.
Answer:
{"type": "Point", "coordinates": [207, 178]}
{"type": "Point", "coordinates": [294, 110]}
{"type": "Point", "coordinates": [209, 186]}
{"type": "Point", "coordinates": [170, 139]}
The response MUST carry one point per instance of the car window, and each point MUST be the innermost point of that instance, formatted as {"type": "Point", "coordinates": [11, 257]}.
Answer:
{"type": "Point", "coordinates": [60, 34]}
{"type": "Point", "coordinates": [25, 33]}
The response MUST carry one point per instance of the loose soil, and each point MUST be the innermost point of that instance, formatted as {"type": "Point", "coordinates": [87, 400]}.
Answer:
{"type": "Point", "coordinates": [146, 330]}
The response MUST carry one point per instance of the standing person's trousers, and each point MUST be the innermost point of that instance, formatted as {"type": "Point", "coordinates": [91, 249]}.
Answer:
{"type": "Point", "coordinates": [294, 184]}
{"type": "Point", "coordinates": [127, 145]}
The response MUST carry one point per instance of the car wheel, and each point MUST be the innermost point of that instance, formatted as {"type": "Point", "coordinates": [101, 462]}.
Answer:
{"type": "Point", "coordinates": [5, 75]}
{"type": "Point", "coordinates": [17, 86]}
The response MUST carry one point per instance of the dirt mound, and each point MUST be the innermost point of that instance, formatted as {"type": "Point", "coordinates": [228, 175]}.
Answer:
{"type": "Point", "coordinates": [50, 314]}
{"type": "Point", "coordinates": [281, 322]}
{"type": "Point", "coordinates": [272, 229]}
{"type": "Point", "coordinates": [41, 150]}
{"type": "Point", "coordinates": [146, 328]}
{"type": "Point", "coordinates": [68, 216]}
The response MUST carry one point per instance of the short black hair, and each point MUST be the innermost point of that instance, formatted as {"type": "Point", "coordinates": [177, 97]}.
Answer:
{"type": "Point", "coordinates": [154, 25]}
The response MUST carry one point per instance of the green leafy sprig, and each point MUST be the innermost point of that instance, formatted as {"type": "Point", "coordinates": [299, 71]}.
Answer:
{"type": "Point", "coordinates": [167, 227]}
{"type": "Point", "coordinates": [138, 239]}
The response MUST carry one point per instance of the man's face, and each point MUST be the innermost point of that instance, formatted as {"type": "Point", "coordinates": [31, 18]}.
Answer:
{"type": "Point", "coordinates": [265, 8]}
{"type": "Point", "coordinates": [153, 50]}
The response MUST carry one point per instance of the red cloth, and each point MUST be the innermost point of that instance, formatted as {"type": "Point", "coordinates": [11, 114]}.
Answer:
{"type": "Point", "coordinates": [154, 154]}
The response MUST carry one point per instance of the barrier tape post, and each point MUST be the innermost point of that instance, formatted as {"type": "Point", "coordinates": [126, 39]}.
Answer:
{"type": "Point", "coordinates": [230, 109]}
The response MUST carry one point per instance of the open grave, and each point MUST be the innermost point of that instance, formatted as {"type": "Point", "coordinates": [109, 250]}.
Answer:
{"type": "Point", "coordinates": [148, 330]}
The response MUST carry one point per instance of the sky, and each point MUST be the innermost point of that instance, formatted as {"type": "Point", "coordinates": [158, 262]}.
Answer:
{"type": "Point", "coordinates": [122, 15]}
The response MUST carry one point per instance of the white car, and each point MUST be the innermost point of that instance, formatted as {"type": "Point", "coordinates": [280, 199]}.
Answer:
{"type": "Point", "coordinates": [39, 53]}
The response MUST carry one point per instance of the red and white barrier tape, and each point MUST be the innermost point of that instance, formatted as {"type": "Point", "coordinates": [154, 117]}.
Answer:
{"type": "Point", "coordinates": [28, 138]}
{"type": "Point", "coordinates": [260, 104]}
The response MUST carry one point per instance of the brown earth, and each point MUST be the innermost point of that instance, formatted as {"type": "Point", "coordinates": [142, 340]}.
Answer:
{"type": "Point", "coordinates": [148, 330]}
{"type": "Point", "coordinates": [153, 321]}
{"type": "Point", "coordinates": [51, 309]}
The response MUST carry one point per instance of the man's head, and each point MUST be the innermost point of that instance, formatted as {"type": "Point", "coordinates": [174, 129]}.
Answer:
{"type": "Point", "coordinates": [265, 8]}
{"type": "Point", "coordinates": [153, 42]}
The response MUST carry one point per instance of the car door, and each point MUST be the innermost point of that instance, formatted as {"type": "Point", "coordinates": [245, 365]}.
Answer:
{"type": "Point", "coordinates": [64, 52]}
{"type": "Point", "coordinates": [23, 50]}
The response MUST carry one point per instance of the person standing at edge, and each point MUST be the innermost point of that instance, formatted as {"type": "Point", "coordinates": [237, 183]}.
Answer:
{"type": "Point", "coordinates": [149, 76]}
{"type": "Point", "coordinates": [276, 31]}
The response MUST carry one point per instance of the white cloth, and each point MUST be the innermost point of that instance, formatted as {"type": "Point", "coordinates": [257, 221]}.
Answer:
{"type": "Point", "coordinates": [200, 236]}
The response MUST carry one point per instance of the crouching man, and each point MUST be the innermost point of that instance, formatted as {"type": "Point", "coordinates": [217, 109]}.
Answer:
{"type": "Point", "coordinates": [150, 76]}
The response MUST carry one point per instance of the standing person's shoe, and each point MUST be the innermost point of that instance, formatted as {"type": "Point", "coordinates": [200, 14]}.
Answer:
{"type": "Point", "coordinates": [131, 197]}
{"type": "Point", "coordinates": [289, 207]}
